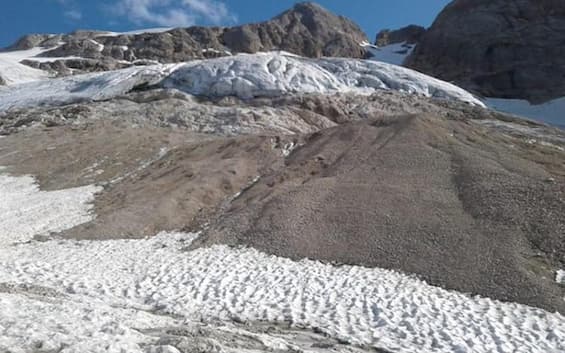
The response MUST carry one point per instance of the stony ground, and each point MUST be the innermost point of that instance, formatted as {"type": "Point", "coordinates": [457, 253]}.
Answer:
{"type": "Point", "coordinates": [465, 198]}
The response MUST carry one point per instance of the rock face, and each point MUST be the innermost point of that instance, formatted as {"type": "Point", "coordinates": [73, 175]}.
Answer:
{"type": "Point", "coordinates": [499, 48]}
{"type": "Point", "coordinates": [2, 81]}
{"type": "Point", "coordinates": [306, 30]}
{"type": "Point", "coordinates": [33, 40]}
{"type": "Point", "coordinates": [410, 34]}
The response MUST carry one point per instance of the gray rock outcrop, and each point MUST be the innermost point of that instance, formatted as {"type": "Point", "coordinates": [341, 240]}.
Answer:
{"type": "Point", "coordinates": [307, 30]}
{"type": "Point", "coordinates": [498, 48]}
{"type": "Point", "coordinates": [410, 34]}
{"type": "Point", "coordinates": [34, 40]}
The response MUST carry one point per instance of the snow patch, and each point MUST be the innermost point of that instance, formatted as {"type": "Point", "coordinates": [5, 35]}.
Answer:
{"type": "Point", "coordinates": [72, 325]}
{"type": "Point", "coordinates": [13, 72]}
{"type": "Point", "coordinates": [376, 307]}
{"type": "Point", "coordinates": [394, 54]}
{"type": "Point", "coordinates": [99, 46]}
{"type": "Point", "coordinates": [560, 276]}
{"type": "Point", "coordinates": [552, 112]}
{"type": "Point", "coordinates": [88, 87]}
{"type": "Point", "coordinates": [136, 32]}
{"type": "Point", "coordinates": [26, 211]}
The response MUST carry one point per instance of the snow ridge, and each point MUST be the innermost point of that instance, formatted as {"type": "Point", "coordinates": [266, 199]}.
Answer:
{"type": "Point", "coordinates": [244, 75]}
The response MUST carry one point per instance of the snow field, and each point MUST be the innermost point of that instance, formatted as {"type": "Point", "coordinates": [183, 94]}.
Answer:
{"type": "Point", "coordinates": [552, 112]}
{"type": "Point", "coordinates": [70, 324]}
{"type": "Point", "coordinates": [26, 211]}
{"type": "Point", "coordinates": [90, 296]}
{"type": "Point", "coordinates": [363, 306]}
{"type": "Point", "coordinates": [393, 54]}
{"type": "Point", "coordinates": [14, 73]}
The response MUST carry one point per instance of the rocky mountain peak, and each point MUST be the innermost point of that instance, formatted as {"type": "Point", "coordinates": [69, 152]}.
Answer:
{"type": "Point", "coordinates": [313, 13]}
{"type": "Point", "coordinates": [34, 40]}
{"type": "Point", "coordinates": [306, 7]}
{"type": "Point", "coordinates": [307, 30]}
{"type": "Point", "coordinates": [410, 34]}
{"type": "Point", "coordinates": [498, 48]}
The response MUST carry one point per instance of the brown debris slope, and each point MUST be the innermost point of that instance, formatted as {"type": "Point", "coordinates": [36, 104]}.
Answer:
{"type": "Point", "coordinates": [443, 199]}
{"type": "Point", "coordinates": [466, 198]}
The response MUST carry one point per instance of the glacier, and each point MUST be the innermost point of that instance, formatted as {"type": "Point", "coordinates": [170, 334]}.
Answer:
{"type": "Point", "coordinates": [243, 75]}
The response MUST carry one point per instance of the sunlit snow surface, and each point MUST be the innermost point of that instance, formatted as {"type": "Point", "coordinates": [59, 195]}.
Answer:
{"type": "Point", "coordinates": [26, 211]}
{"type": "Point", "coordinates": [13, 72]}
{"type": "Point", "coordinates": [393, 54]}
{"type": "Point", "coordinates": [560, 276]}
{"type": "Point", "coordinates": [100, 296]}
{"type": "Point", "coordinates": [244, 75]}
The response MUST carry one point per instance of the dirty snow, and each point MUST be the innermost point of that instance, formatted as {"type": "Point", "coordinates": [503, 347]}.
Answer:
{"type": "Point", "coordinates": [276, 73]}
{"type": "Point", "coordinates": [560, 276]}
{"type": "Point", "coordinates": [394, 54]}
{"type": "Point", "coordinates": [244, 75]}
{"type": "Point", "coordinates": [94, 296]}
{"type": "Point", "coordinates": [26, 211]}
{"type": "Point", "coordinates": [72, 324]}
{"type": "Point", "coordinates": [88, 87]}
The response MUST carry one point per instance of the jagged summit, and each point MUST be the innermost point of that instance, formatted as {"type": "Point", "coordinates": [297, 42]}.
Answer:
{"type": "Point", "coordinates": [410, 34]}
{"type": "Point", "coordinates": [307, 30]}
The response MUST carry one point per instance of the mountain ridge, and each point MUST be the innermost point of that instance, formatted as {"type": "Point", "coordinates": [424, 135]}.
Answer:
{"type": "Point", "coordinates": [315, 32]}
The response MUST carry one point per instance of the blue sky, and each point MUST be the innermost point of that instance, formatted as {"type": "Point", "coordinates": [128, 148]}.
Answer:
{"type": "Point", "coordinates": [20, 17]}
